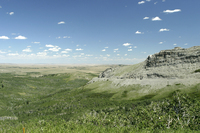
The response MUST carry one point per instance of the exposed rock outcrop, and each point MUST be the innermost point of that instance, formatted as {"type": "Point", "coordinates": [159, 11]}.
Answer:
{"type": "Point", "coordinates": [170, 64]}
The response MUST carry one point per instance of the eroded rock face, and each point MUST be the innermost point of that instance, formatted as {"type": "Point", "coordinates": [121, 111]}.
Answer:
{"type": "Point", "coordinates": [174, 57]}
{"type": "Point", "coordinates": [167, 64]}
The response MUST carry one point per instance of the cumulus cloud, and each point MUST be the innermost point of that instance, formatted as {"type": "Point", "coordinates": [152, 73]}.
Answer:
{"type": "Point", "coordinates": [116, 49]}
{"type": "Point", "coordinates": [55, 48]}
{"type": "Point", "coordinates": [161, 30]}
{"type": "Point", "coordinates": [49, 45]}
{"type": "Point", "coordinates": [20, 37]}
{"type": "Point", "coordinates": [172, 11]}
{"type": "Point", "coordinates": [126, 44]}
{"type": "Point", "coordinates": [160, 42]}
{"type": "Point", "coordinates": [79, 49]}
{"type": "Point", "coordinates": [141, 2]}
{"type": "Point", "coordinates": [156, 19]}
{"type": "Point", "coordinates": [185, 44]}
{"type": "Point", "coordinates": [4, 37]}
{"type": "Point", "coordinates": [103, 50]}
{"type": "Point", "coordinates": [11, 13]}
{"type": "Point", "coordinates": [125, 55]}
{"type": "Point", "coordinates": [27, 50]}
{"type": "Point", "coordinates": [61, 22]}
{"type": "Point", "coordinates": [175, 44]}
{"type": "Point", "coordinates": [146, 18]}
{"type": "Point", "coordinates": [138, 32]}
{"type": "Point", "coordinates": [129, 49]}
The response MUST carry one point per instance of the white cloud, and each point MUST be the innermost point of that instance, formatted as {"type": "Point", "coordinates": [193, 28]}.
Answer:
{"type": "Point", "coordinates": [116, 49]}
{"type": "Point", "coordinates": [20, 37]}
{"type": "Point", "coordinates": [41, 54]}
{"type": "Point", "coordinates": [186, 44]}
{"type": "Point", "coordinates": [125, 55]}
{"type": "Point", "coordinates": [144, 52]}
{"type": "Point", "coordinates": [1, 52]}
{"type": "Point", "coordinates": [61, 22]}
{"type": "Point", "coordinates": [27, 50]}
{"type": "Point", "coordinates": [103, 50]}
{"type": "Point", "coordinates": [13, 54]}
{"type": "Point", "coordinates": [148, 0]}
{"type": "Point", "coordinates": [126, 44]}
{"type": "Point", "coordinates": [118, 54]}
{"type": "Point", "coordinates": [141, 2]}
{"type": "Point", "coordinates": [68, 49]}
{"type": "Point", "coordinates": [11, 13]}
{"type": "Point", "coordinates": [66, 37]}
{"type": "Point", "coordinates": [35, 42]}
{"type": "Point", "coordinates": [129, 49]}
{"type": "Point", "coordinates": [49, 45]}
{"type": "Point", "coordinates": [28, 46]}
{"type": "Point", "coordinates": [160, 42]}
{"type": "Point", "coordinates": [156, 19]}
{"type": "Point", "coordinates": [155, 3]}
{"type": "Point", "coordinates": [161, 30]}
{"type": "Point", "coordinates": [79, 49]}
{"type": "Point", "coordinates": [64, 52]}
{"type": "Point", "coordinates": [65, 55]}
{"type": "Point", "coordinates": [138, 32]}
{"type": "Point", "coordinates": [55, 48]}
{"type": "Point", "coordinates": [135, 46]}
{"type": "Point", "coordinates": [88, 55]}
{"type": "Point", "coordinates": [172, 11]}
{"type": "Point", "coordinates": [108, 55]}
{"type": "Point", "coordinates": [4, 37]}
{"type": "Point", "coordinates": [175, 44]}
{"type": "Point", "coordinates": [106, 47]}
{"type": "Point", "coordinates": [146, 18]}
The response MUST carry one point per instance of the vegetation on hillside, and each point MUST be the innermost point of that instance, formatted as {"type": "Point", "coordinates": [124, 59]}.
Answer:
{"type": "Point", "coordinates": [63, 103]}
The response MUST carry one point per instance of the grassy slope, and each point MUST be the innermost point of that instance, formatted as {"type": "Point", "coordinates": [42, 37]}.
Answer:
{"type": "Point", "coordinates": [55, 103]}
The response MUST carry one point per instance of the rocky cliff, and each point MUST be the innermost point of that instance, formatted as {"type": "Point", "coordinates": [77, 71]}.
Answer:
{"type": "Point", "coordinates": [175, 63]}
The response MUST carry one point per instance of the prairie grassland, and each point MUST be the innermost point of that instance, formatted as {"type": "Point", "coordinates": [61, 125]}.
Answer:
{"type": "Point", "coordinates": [53, 100]}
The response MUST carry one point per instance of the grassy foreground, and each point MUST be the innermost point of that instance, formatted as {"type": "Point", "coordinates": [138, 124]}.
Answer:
{"type": "Point", "coordinates": [64, 103]}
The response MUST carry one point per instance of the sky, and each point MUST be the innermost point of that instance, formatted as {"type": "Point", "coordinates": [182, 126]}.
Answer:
{"type": "Point", "coordinates": [95, 31]}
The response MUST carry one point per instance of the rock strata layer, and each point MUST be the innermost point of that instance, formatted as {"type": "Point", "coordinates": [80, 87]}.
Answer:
{"type": "Point", "coordinates": [167, 64]}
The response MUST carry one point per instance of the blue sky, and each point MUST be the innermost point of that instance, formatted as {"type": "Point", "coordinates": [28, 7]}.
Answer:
{"type": "Point", "coordinates": [95, 31]}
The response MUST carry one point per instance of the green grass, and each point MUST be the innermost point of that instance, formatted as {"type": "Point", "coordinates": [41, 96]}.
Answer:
{"type": "Point", "coordinates": [196, 71]}
{"type": "Point", "coordinates": [64, 103]}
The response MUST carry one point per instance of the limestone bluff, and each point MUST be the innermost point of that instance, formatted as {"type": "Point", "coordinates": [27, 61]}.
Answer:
{"type": "Point", "coordinates": [173, 63]}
